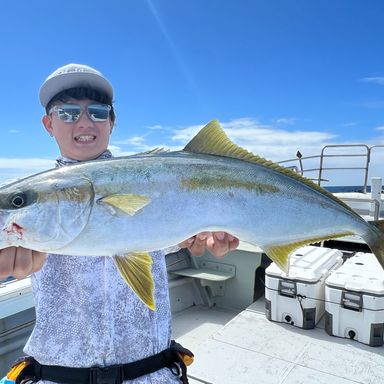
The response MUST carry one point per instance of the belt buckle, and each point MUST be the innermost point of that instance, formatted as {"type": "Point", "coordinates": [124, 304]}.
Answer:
{"type": "Point", "coordinates": [111, 375]}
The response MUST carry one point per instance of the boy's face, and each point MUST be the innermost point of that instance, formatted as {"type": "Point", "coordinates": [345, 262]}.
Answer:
{"type": "Point", "coordinates": [83, 139]}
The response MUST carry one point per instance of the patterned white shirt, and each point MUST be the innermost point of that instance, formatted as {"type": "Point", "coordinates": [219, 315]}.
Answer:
{"type": "Point", "coordinates": [87, 316]}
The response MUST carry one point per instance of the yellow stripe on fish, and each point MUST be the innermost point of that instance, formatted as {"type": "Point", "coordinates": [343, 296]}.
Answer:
{"type": "Point", "coordinates": [210, 183]}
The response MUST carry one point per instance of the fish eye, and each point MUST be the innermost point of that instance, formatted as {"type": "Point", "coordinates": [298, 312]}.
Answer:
{"type": "Point", "coordinates": [18, 200]}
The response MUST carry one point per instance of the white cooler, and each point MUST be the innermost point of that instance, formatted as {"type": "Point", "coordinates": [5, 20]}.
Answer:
{"type": "Point", "coordinates": [355, 300]}
{"type": "Point", "coordinates": [298, 298]}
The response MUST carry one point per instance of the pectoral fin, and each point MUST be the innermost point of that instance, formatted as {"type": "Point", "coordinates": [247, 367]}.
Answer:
{"type": "Point", "coordinates": [135, 269]}
{"type": "Point", "coordinates": [128, 203]}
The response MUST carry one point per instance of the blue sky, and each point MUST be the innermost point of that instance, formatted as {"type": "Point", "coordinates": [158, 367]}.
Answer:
{"type": "Point", "coordinates": [280, 75]}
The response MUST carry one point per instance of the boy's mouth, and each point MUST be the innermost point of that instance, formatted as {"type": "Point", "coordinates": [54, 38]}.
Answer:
{"type": "Point", "coordinates": [85, 138]}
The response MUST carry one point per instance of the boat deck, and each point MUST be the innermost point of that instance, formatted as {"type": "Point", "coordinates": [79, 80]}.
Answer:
{"type": "Point", "coordinates": [245, 347]}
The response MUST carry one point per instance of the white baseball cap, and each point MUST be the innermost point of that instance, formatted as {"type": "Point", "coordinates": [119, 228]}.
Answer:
{"type": "Point", "coordinates": [72, 76]}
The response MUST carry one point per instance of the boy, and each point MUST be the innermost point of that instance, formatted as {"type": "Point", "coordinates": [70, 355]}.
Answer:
{"type": "Point", "coordinates": [86, 316]}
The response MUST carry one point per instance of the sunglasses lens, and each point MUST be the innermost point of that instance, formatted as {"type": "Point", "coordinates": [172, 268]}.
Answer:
{"type": "Point", "coordinates": [99, 112]}
{"type": "Point", "coordinates": [69, 113]}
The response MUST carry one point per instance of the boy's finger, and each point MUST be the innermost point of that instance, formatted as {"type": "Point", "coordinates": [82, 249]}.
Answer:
{"type": "Point", "coordinates": [197, 248]}
{"type": "Point", "coordinates": [7, 262]}
{"type": "Point", "coordinates": [233, 243]}
{"type": "Point", "coordinates": [203, 236]}
{"type": "Point", "coordinates": [38, 259]}
{"type": "Point", "coordinates": [23, 263]}
{"type": "Point", "coordinates": [220, 246]}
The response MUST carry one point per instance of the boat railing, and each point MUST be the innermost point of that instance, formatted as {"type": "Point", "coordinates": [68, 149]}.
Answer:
{"type": "Point", "coordinates": [365, 154]}
{"type": "Point", "coordinates": [376, 205]}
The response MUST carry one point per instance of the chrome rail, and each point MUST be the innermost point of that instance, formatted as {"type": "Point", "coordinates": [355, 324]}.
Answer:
{"type": "Point", "coordinates": [367, 154]}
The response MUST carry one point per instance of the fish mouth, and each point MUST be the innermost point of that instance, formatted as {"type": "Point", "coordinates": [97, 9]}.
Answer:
{"type": "Point", "coordinates": [12, 234]}
{"type": "Point", "coordinates": [85, 138]}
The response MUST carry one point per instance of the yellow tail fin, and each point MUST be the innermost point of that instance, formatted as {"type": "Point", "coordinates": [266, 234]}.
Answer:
{"type": "Point", "coordinates": [375, 240]}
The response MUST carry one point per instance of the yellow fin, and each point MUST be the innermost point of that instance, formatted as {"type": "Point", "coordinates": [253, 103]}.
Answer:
{"type": "Point", "coordinates": [128, 203]}
{"type": "Point", "coordinates": [378, 224]}
{"type": "Point", "coordinates": [153, 151]}
{"type": "Point", "coordinates": [280, 253]}
{"type": "Point", "coordinates": [375, 240]}
{"type": "Point", "coordinates": [212, 140]}
{"type": "Point", "coordinates": [135, 269]}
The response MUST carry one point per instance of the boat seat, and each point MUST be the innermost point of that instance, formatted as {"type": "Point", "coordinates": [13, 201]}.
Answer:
{"type": "Point", "coordinates": [210, 274]}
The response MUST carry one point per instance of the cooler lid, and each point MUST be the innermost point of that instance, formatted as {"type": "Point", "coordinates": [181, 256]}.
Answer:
{"type": "Point", "coordinates": [361, 272]}
{"type": "Point", "coordinates": [309, 264]}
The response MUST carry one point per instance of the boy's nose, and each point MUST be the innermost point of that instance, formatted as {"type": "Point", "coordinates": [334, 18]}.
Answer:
{"type": "Point", "coordinates": [84, 119]}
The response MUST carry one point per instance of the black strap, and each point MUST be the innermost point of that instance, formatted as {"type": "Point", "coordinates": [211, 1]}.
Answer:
{"type": "Point", "coordinates": [110, 375]}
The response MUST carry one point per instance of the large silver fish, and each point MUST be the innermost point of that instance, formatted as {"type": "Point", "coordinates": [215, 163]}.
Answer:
{"type": "Point", "coordinates": [127, 206]}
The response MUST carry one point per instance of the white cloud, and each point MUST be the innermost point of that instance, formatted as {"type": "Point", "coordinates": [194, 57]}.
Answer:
{"type": "Point", "coordinates": [377, 104]}
{"type": "Point", "coordinates": [118, 151]}
{"type": "Point", "coordinates": [13, 131]}
{"type": "Point", "coordinates": [15, 168]}
{"type": "Point", "coordinates": [157, 127]}
{"type": "Point", "coordinates": [265, 140]}
{"type": "Point", "coordinates": [31, 163]}
{"type": "Point", "coordinates": [182, 136]}
{"type": "Point", "coordinates": [136, 144]}
{"type": "Point", "coordinates": [381, 128]}
{"type": "Point", "coordinates": [286, 120]}
{"type": "Point", "coordinates": [376, 80]}
{"type": "Point", "coordinates": [135, 141]}
{"type": "Point", "coordinates": [351, 124]}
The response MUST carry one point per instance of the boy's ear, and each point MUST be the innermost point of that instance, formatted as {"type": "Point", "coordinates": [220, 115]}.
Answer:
{"type": "Point", "coordinates": [47, 122]}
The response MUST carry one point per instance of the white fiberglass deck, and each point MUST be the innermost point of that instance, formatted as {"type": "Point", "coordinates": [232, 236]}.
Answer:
{"type": "Point", "coordinates": [251, 349]}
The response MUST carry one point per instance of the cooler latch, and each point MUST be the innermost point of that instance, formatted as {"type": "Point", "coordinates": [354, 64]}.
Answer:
{"type": "Point", "coordinates": [352, 301]}
{"type": "Point", "coordinates": [287, 288]}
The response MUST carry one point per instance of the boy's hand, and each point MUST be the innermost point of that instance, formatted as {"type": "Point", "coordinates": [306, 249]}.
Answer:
{"type": "Point", "coordinates": [218, 243]}
{"type": "Point", "coordinates": [19, 262]}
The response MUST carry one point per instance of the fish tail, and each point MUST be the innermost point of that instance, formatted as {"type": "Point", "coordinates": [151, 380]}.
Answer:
{"type": "Point", "coordinates": [375, 240]}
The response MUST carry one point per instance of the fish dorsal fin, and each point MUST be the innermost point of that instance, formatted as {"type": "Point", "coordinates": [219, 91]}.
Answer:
{"type": "Point", "coordinates": [153, 151]}
{"type": "Point", "coordinates": [212, 140]}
